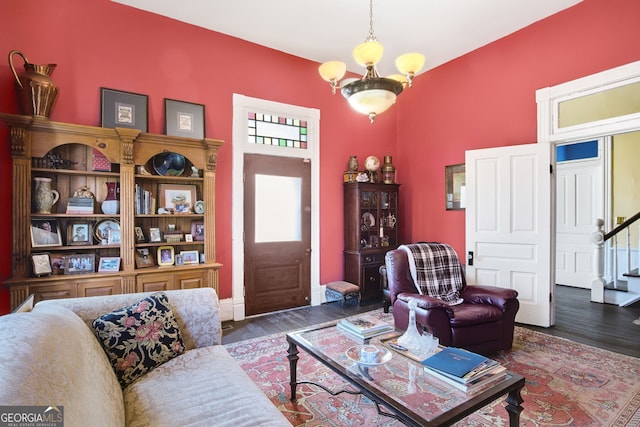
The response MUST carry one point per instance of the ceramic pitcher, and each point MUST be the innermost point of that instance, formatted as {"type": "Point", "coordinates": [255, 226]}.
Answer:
{"type": "Point", "coordinates": [44, 197]}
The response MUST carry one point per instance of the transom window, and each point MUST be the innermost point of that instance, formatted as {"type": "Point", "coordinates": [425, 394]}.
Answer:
{"type": "Point", "coordinates": [267, 129]}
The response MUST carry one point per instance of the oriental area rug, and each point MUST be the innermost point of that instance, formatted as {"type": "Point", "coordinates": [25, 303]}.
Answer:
{"type": "Point", "coordinates": [567, 384]}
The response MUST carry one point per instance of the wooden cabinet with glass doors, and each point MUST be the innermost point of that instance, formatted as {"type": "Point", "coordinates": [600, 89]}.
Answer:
{"type": "Point", "coordinates": [82, 247]}
{"type": "Point", "coordinates": [370, 230]}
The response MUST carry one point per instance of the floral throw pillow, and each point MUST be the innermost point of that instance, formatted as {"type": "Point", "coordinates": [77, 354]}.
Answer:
{"type": "Point", "coordinates": [140, 337]}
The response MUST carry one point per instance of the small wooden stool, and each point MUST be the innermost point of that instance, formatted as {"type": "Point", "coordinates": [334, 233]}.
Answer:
{"type": "Point", "coordinates": [342, 289]}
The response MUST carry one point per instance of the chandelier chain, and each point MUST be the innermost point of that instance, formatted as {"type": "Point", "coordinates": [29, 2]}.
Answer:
{"type": "Point", "coordinates": [371, 37]}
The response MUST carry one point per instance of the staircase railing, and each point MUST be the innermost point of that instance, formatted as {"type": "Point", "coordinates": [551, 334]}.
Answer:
{"type": "Point", "coordinates": [608, 261]}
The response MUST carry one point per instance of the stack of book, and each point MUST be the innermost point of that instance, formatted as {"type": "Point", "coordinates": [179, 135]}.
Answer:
{"type": "Point", "coordinates": [80, 205]}
{"type": "Point", "coordinates": [465, 370]}
{"type": "Point", "coordinates": [365, 326]}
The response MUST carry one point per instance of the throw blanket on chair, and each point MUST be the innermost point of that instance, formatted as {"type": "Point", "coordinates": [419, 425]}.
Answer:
{"type": "Point", "coordinates": [436, 270]}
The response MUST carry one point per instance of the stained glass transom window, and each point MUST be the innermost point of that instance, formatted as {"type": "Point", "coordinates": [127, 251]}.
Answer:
{"type": "Point", "coordinates": [267, 129]}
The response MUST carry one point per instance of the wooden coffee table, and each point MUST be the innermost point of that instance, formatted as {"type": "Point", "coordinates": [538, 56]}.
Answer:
{"type": "Point", "coordinates": [400, 388]}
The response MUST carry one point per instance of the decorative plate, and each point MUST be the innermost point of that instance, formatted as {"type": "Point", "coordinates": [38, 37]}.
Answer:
{"type": "Point", "coordinates": [368, 219]}
{"type": "Point", "coordinates": [384, 355]}
{"type": "Point", "coordinates": [169, 164]}
{"type": "Point", "coordinates": [198, 207]}
{"type": "Point", "coordinates": [103, 227]}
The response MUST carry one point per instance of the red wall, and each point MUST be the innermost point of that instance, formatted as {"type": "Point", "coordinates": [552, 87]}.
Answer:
{"type": "Point", "coordinates": [487, 99]}
{"type": "Point", "coordinates": [99, 43]}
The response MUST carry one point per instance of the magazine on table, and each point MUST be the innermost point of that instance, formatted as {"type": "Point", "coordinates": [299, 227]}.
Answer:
{"type": "Point", "coordinates": [365, 326]}
{"type": "Point", "coordinates": [459, 363]}
{"type": "Point", "coordinates": [488, 379]}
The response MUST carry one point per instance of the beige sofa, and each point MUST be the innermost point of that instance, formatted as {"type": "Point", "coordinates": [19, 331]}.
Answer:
{"type": "Point", "coordinates": [50, 356]}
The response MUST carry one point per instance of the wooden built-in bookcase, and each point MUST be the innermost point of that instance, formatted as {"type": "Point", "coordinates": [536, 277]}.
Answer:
{"type": "Point", "coordinates": [33, 139]}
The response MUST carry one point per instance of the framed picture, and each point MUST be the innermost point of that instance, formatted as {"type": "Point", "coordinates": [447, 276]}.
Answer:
{"type": "Point", "coordinates": [144, 258]}
{"type": "Point", "coordinates": [45, 232]}
{"type": "Point", "coordinates": [455, 187]}
{"type": "Point", "coordinates": [114, 237]}
{"type": "Point", "coordinates": [155, 235]}
{"type": "Point", "coordinates": [139, 234]}
{"type": "Point", "coordinates": [79, 263]}
{"type": "Point", "coordinates": [188, 237]}
{"type": "Point", "coordinates": [183, 119]}
{"type": "Point", "coordinates": [57, 263]}
{"type": "Point", "coordinates": [190, 257]}
{"type": "Point", "coordinates": [109, 264]}
{"type": "Point", "coordinates": [41, 264]}
{"type": "Point", "coordinates": [104, 228]}
{"type": "Point", "coordinates": [197, 230]}
{"type": "Point", "coordinates": [165, 255]}
{"type": "Point", "coordinates": [178, 197]}
{"type": "Point", "coordinates": [80, 233]}
{"type": "Point", "coordinates": [123, 109]}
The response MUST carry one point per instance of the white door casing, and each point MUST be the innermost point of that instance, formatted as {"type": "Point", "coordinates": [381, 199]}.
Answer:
{"type": "Point", "coordinates": [509, 225]}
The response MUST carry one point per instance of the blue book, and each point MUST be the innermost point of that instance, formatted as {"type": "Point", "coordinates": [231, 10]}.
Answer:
{"type": "Point", "coordinates": [455, 361]}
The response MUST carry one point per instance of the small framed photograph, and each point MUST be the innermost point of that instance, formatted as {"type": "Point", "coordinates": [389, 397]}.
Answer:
{"type": "Point", "coordinates": [109, 264]}
{"type": "Point", "coordinates": [114, 237]}
{"type": "Point", "coordinates": [104, 228]}
{"type": "Point", "coordinates": [155, 235]}
{"type": "Point", "coordinates": [123, 109]}
{"type": "Point", "coordinates": [45, 232]}
{"type": "Point", "coordinates": [57, 263]}
{"type": "Point", "coordinates": [190, 257]}
{"type": "Point", "coordinates": [165, 255]}
{"type": "Point", "coordinates": [178, 197]}
{"type": "Point", "coordinates": [139, 235]}
{"type": "Point", "coordinates": [80, 233]}
{"type": "Point", "coordinates": [188, 237]}
{"type": "Point", "coordinates": [183, 119]}
{"type": "Point", "coordinates": [144, 258]}
{"type": "Point", "coordinates": [79, 264]}
{"type": "Point", "coordinates": [197, 230]}
{"type": "Point", "coordinates": [455, 181]}
{"type": "Point", "coordinates": [41, 264]}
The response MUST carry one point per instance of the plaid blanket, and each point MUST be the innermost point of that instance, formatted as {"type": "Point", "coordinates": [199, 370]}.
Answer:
{"type": "Point", "coordinates": [436, 270]}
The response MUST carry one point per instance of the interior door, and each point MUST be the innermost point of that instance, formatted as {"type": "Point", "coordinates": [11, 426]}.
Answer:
{"type": "Point", "coordinates": [509, 226]}
{"type": "Point", "coordinates": [579, 202]}
{"type": "Point", "coordinates": [277, 241]}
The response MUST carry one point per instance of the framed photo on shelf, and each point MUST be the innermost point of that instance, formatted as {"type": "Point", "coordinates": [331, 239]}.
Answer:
{"type": "Point", "coordinates": [197, 230]}
{"type": "Point", "coordinates": [79, 263]}
{"type": "Point", "coordinates": [114, 237]}
{"type": "Point", "coordinates": [165, 255]}
{"type": "Point", "coordinates": [190, 257]}
{"type": "Point", "coordinates": [109, 264]}
{"type": "Point", "coordinates": [184, 119]}
{"type": "Point", "coordinates": [155, 235]}
{"type": "Point", "coordinates": [80, 233]}
{"type": "Point", "coordinates": [45, 232]}
{"type": "Point", "coordinates": [455, 180]}
{"type": "Point", "coordinates": [41, 264]}
{"type": "Point", "coordinates": [123, 109]}
{"type": "Point", "coordinates": [139, 235]}
{"type": "Point", "coordinates": [188, 237]}
{"type": "Point", "coordinates": [144, 258]}
{"type": "Point", "coordinates": [57, 263]}
{"type": "Point", "coordinates": [178, 197]}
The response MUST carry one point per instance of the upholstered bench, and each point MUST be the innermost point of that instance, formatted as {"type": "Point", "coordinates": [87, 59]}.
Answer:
{"type": "Point", "coordinates": [341, 290]}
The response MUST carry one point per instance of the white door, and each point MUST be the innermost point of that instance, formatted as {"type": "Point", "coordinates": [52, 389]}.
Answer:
{"type": "Point", "coordinates": [579, 201]}
{"type": "Point", "coordinates": [509, 226]}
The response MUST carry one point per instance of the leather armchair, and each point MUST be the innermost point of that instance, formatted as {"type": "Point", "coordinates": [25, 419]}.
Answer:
{"type": "Point", "coordinates": [482, 323]}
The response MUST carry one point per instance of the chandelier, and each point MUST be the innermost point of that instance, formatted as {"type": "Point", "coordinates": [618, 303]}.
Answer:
{"type": "Point", "coordinates": [372, 94]}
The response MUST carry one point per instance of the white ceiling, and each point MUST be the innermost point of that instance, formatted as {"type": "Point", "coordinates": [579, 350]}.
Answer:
{"type": "Point", "coordinates": [323, 30]}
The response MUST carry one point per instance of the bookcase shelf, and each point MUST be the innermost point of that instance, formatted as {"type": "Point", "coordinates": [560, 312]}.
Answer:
{"type": "Point", "coordinates": [66, 153]}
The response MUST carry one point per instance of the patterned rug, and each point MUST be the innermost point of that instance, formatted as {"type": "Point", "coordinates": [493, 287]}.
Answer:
{"type": "Point", "coordinates": [567, 384]}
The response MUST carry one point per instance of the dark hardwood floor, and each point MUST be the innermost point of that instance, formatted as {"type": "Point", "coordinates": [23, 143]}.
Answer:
{"type": "Point", "coordinates": [577, 319]}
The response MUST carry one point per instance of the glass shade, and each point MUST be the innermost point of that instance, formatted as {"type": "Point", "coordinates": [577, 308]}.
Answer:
{"type": "Point", "coordinates": [332, 71]}
{"type": "Point", "coordinates": [372, 96]}
{"type": "Point", "coordinates": [400, 78]}
{"type": "Point", "coordinates": [368, 53]}
{"type": "Point", "coordinates": [410, 63]}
